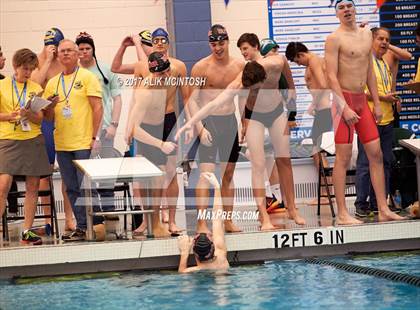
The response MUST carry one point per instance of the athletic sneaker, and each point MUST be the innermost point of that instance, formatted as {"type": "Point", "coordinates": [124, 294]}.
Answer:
{"type": "Point", "coordinates": [272, 204]}
{"type": "Point", "coordinates": [29, 237]}
{"type": "Point", "coordinates": [77, 235]}
{"type": "Point", "coordinates": [363, 212]}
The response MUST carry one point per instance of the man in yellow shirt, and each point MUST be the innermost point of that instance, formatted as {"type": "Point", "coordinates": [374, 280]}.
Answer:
{"type": "Point", "coordinates": [364, 189]}
{"type": "Point", "coordinates": [77, 116]}
{"type": "Point", "coordinates": [22, 146]}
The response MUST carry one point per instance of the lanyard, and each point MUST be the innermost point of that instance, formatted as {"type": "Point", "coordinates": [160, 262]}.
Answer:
{"type": "Point", "coordinates": [384, 75]}
{"type": "Point", "coordinates": [63, 85]}
{"type": "Point", "coordinates": [21, 98]}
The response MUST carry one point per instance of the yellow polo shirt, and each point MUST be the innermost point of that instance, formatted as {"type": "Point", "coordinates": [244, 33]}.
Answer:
{"type": "Point", "coordinates": [384, 82]}
{"type": "Point", "coordinates": [74, 132]}
{"type": "Point", "coordinates": [9, 102]}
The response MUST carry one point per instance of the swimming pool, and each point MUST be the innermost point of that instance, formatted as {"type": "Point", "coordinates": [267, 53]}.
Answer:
{"type": "Point", "coordinates": [273, 285]}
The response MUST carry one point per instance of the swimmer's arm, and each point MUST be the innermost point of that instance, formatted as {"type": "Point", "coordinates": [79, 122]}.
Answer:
{"type": "Point", "coordinates": [142, 99]}
{"type": "Point", "coordinates": [225, 96]}
{"type": "Point", "coordinates": [182, 268]}
{"type": "Point", "coordinates": [185, 91]}
{"type": "Point", "coordinates": [39, 75]}
{"type": "Point", "coordinates": [141, 55]}
{"type": "Point", "coordinates": [218, 229]}
{"type": "Point", "coordinates": [398, 53]}
{"type": "Point", "coordinates": [117, 65]}
{"type": "Point", "coordinates": [331, 59]}
{"type": "Point", "coordinates": [289, 78]}
{"type": "Point", "coordinates": [372, 82]}
{"type": "Point", "coordinates": [316, 67]}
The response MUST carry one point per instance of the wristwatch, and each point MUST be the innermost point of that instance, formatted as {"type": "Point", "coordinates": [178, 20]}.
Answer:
{"type": "Point", "coordinates": [115, 124]}
{"type": "Point", "coordinates": [95, 138]}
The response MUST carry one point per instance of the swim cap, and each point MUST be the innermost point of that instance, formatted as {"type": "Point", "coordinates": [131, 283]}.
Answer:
{"type": "Point", "coordinates": [146, 37]}
{"type": "Point", "coordinates": [217, 33]}
{"type": "Point", "coordinates": [158, 62]}
{"type": "Point", "coordinates": [53, 37]}
{"type": "Point", "coordinates": [85, 37]}
{"type": "Point", "coordinates": [203, 247]}
{"type": "Point", "coordinates": [341, 1]}
{"type": "Point", "coordinates": [267, 45]}
{"type": "Point", "coordinates": [160, 32]}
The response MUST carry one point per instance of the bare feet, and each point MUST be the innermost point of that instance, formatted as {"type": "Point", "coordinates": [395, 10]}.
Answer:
{"type": "Point", "coordinates": [294, 215]}
{"type": "Point", "coordinates": [141, 228]}
{"type": "Point", "coordinates": [347, 220]}
{"type": "Point", "coordinates": [175, 230]}
{"type": "Point", "coordinates": [165, 216]}
{"type": "Point", "coordinates": [389, 216]}
{"type": "Point", "coordinates": [267, 226]}
{"type": "Point", "coordinates": [231, 228]}
{"type": "Point", "coordinates": [160, 232]}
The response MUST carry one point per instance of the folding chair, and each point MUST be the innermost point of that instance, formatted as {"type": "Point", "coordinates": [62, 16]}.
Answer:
{"type": "Point", "coordinates": [328, 147]}
{"type": "Point", "coordinates": [21, 194]}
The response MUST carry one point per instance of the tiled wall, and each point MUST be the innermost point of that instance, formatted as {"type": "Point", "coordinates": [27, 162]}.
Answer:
{"type": "Point", "coordinates": [23, 23]}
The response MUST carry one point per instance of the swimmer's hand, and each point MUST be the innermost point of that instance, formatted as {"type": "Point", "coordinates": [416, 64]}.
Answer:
{"type": "Point", "coordinates": [168, 147]}
{"type": "Point", "coordinates": [211, 178]}
{"type": "Point", "coordinates": [350, 116]}
{"type": "Point", "coordinates": [377, 112]}
{"type": "Point", "coordinates": [181, 130]}
{"type": "Point", "coordinates": [184, 244]}
{"type": "Point", "coordinates": [128, 136]}
{"type": "Point", "coordinates": [128, 41]}
{"type": "Point", "coordinates": [364, 23]}
{"type": "Point", "coordinates": [205, 137]}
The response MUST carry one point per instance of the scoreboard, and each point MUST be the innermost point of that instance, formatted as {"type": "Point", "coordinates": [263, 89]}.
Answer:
{"type": "Point", "coordinates": [310, 22]}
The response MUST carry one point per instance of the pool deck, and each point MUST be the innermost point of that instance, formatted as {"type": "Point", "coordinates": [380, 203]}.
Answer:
{"type": "Point", "coordinates": [319, 237]}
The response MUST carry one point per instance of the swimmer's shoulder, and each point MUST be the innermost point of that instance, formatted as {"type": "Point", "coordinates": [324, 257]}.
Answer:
{"type": "Point", "coordinates": [200, 67]}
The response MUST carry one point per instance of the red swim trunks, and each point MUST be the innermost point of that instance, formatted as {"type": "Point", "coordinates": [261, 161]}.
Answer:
{"type": "Point", "coordinates": [366, 126]}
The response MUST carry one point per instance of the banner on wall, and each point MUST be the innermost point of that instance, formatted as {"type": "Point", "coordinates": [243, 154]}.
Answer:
{"type": "Point", "coordinates": [310, 22]}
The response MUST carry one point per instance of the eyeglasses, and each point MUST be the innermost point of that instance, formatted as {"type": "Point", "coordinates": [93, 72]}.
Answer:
{"type": "Point", "coordinates": [67, 50]}
{"type": "Point", "coordinates": [162, 40]}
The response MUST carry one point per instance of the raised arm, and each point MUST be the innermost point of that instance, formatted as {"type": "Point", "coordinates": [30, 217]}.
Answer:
{"type": "Point", "coordinates": [117, 65]}
{"type": "Point", "coordinates": [39, 75]}
{"type": "Point", "coordinates": [218, 229]}
{"type": "Point", "coordinates": [226, 96]}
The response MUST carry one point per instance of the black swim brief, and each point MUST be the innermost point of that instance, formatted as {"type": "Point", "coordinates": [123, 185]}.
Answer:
{"type": "Point", "coordinates": [267, 118]}
{"type": "Point", "coordinates": [224, 132]}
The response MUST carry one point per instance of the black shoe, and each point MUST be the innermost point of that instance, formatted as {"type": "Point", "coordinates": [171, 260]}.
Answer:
{"type": "Point", "coordinates": [362, 212]}
{"type": "Point", "coordinates": [394, 209]}
{"type": "Point", "coordinates": [77, 235]}
{"type": "Point", "coordinates": [29, 237]}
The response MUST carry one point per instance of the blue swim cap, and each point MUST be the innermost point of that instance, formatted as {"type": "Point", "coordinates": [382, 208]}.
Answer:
{"type": "Point", "coordinates": [160, 32]}
{"type": "Point", "coordinates": [53, 37]}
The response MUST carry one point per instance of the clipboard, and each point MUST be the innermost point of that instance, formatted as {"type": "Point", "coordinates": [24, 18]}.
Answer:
{"type": "Point", "coordinates": [415, 86]}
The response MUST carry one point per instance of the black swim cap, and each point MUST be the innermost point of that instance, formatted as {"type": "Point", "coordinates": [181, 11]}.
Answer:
{"type": "Point", "coordinates": [203, 247]}
{"type": "Point", "coordinates": [158, 62]}
{"type": "Point", "coordinates": [217, 33]}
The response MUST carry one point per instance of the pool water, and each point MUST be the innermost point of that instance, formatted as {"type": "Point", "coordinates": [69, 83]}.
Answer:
{"type": "Point", "coordinates": [273, 285]}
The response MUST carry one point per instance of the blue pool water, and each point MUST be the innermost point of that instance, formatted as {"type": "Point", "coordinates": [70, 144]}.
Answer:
{"type": "Point", "coordinates": [273, 285]}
